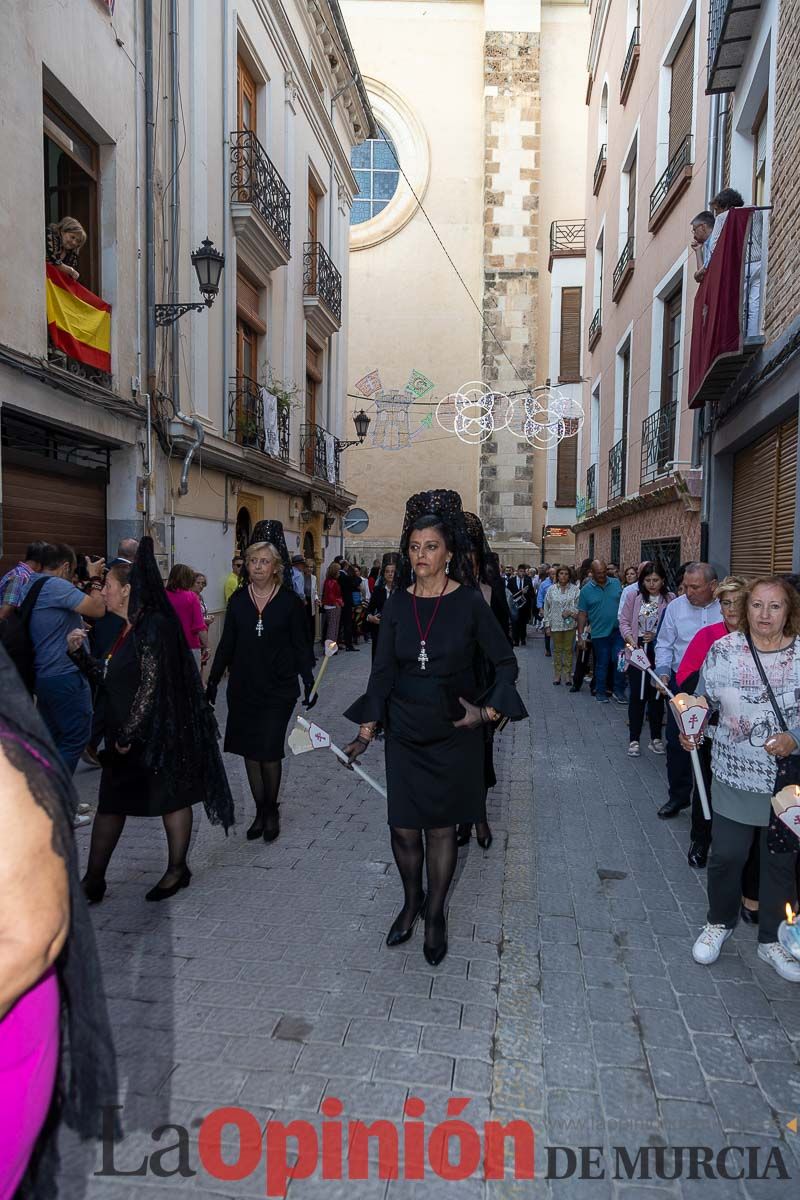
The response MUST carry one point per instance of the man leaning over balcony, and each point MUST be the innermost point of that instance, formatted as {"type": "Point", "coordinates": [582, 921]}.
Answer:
{"type": "Point", "coordinates": [702, 227]}
{"type": "Point", "coordinates": [720, 206]}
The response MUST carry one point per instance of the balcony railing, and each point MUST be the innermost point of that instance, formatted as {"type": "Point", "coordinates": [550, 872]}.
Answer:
{"type": "Point", "coordinates": [248, 423]}
{"type": "Point", "coordinates": [624, 269]}
{"type": "Point", "coordinates": [658, 442]}
{"type": "Point", "coordinates": [591, 489]}
{"type": "Point", "coordinates": [78, 342]}
{"type": "Point", "coordinates": [731, 24]}
{"type": "Point", "coordinates": [617, 460]}
{"type": "Point", "coordinates": [319, 453]}
{"type": "Point", "coordinates": [600, 169]}
{"type": "Point", "coordinates": [254, 180]}
{"type": "Point", "coordinates": [321, 278]}
{"type": "Point", "coordinates": [672, 183]}
{"type": "Point", "coordinates": [567, 239]}
{"type": "Point", "coordinates": [595, 329]}
{"type": "Point", "coordinates": [629, 69]}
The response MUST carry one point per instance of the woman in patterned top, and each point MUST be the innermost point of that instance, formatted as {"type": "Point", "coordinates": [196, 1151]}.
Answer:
{"type": "Point", "coordinates": [559, 616]}
{"type": "Point", "coordinates": [746, 744]}
{"type": "Point", "coordinates": [64, 239]}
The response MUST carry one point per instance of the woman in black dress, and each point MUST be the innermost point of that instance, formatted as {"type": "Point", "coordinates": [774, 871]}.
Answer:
{"type": "Point", "coordinates": [161, 753]}
{"type": "Point", "coordinates": [383, 589]}
{"type": "Point", "coordinates": [265, 646]}
{"type": "Point", "coordinates": [425, 690]}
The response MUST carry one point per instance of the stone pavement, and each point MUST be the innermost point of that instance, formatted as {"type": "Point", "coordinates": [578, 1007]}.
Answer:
{"type": "Point", "coordinates": [568, 999]}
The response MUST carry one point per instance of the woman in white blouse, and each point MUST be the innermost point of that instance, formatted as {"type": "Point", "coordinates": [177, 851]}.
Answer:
{"type": "Point", "coordinates": [559, 615]}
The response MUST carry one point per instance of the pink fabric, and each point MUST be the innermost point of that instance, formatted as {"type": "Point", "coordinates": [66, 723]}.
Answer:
{"type": "Point", "coordinates": [29, 1041]}
{"type": "Point", "coordinates": [629, 616]}
{"type": "Point", "coordinates": [190, 615]}
{"type": "Point", "coordinates": [698, 648]}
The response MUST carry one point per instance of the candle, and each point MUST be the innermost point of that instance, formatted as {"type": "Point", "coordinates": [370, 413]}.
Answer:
{"type": "Point", "coordinates": [789, 931]}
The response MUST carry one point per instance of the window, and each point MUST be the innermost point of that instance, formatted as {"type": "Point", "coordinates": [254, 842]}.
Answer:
{"type": "Point", "coordinates": [625, 387]}
{"type": "Point", "coordinates": [569, 365]}
{"type": "Point", "coordinates": [598, 273]}
{"type": "Point", "coordinates": [602, 126]}
{"type": "Point", "coordinates": [374, 165]}
{"type": "Point", "coordinates": [760, 155]}
{"type": "Point", "coordinates": [591, 547]}
{"type": "Point", "coordinates": [245, 98]}
{"type": "Point", "coordinates": [567, 472]}
{"type": "Point", "coordinates": [250, 326]}
{"type": "Point", "coordinates": [671, 349]}
{"type": "Point", "coordinates": [631, 194]}
{"type": "Point", "coordinates": [616, 546]}
{"type": "Point", "coordinates": [681, 93]}
{"type": "Point", "coordinates": [71, 177]}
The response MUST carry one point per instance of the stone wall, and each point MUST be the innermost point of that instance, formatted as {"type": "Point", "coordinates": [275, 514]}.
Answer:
{"type": "Point", "coordinates": [512, 111]}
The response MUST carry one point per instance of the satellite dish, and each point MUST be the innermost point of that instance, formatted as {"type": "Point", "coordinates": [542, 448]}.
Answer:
{"type": "Point", "coordinates": [356, 521]}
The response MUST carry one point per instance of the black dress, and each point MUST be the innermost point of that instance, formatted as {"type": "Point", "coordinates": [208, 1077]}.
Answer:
{"type": "Point", "coordinates": [377, 603]}
{"type": "Point", "coordinates": [263, 687]}
{"type": "Point", "coordinates": [435, 773]}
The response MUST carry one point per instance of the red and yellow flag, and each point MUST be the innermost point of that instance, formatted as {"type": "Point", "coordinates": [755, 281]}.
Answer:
{"type": "Point", "coordinates": [79, 323]}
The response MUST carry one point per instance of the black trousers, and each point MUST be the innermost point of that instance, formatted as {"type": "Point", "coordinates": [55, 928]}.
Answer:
{"type": "Point", "coordinates": [701, 828]}
{"type": "Point", "coordinates": [520, 627]}
{"type": "Point", "coordinates": [652, 701]}
{"type": "Point", "coordinates": [729, 853]}
{"type": "Point", "coordinates": [679, 763]}
{"type": "Point", "coordinates": [584, 663]}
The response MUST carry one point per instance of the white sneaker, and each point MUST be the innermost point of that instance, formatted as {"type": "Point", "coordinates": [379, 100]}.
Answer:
{"type": "Point", "coordinates": [633, 750]}
{"type": "Point", "coordinates": [80, 819]}
{"type": "Point", "coordinates": [706, 949]}
{"type": "Point", "coordinates": [657, 746]}
{"type": "Point", "coordinates": [778, 958]}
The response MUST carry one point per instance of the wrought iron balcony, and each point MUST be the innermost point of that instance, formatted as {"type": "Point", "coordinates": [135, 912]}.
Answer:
{"type": "Point", "coordinates": [567, 240]}
{"type": "Point", "coordinates": [59, 358]}
{"type": "Point", "coordinates": [319, 453]}
{"type": "Point", "coordinates": [629, 69]}
{"type": "Point", "coordinates": [322, 289]}
{"type": "Point", "coordinates": [672, 183]}
{"type": "Point", "coordinates": [617, 472]}
{"type": "Point", "coordinates": [624, 269]}
{"type": "Point", "coordinates": [658, 442]}
{"type": "Point", "coordinates": [249, 425]}
{"type": "Point", "coordinates": [595, 329]}
{"type": "Point", "coordinates": [260, 205]}
{"type": "Point", "coordinates": [600, 168]}
{"type": "Point", "coordinates": [731, 25]}
{"type": "Point", "coordinates": [591, 489]}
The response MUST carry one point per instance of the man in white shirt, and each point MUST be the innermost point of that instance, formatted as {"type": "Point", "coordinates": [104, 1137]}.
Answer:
{"type": "Point", "coordinates": [690, 612]}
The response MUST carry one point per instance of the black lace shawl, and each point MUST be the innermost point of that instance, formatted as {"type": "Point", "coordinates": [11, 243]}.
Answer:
{"type": "Point", "coordinates": [446, 505]}
{"type": "Point", "coordinates": [170, 715]}
{"type": "Point", "coordinates": [87, 1077]}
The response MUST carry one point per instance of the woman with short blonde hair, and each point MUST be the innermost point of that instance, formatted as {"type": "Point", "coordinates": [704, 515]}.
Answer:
{"type": "Point", "coordinates": [64, 239]}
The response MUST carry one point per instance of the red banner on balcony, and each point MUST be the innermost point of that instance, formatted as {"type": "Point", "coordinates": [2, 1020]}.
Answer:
{"type": "Point", "coordinates": [78, 322]}
{"type": "Point", "coordinates": [717, 329]}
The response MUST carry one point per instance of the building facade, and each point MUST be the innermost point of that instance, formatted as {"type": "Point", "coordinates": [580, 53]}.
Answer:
{"type": "Point", "coordinates": [639, 489]}
{"type": "Point", "coordinates": [748, 395]}
{"type": "Point", "coordinates": [158, 127]}
{"type": "Point", "coordinates": [488, 143]}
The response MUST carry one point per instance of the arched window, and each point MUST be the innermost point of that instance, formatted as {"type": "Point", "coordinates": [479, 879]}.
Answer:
{"type": "Point", "coordinates": [602, 126]}
{"type": "Point", "coordinates": [374, 165]}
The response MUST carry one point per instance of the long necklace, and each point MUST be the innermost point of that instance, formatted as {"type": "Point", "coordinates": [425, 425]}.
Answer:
{"type": "Point", "coordinates": [260, 625]}
{"type": "Point", "coordinates": [422, 657]}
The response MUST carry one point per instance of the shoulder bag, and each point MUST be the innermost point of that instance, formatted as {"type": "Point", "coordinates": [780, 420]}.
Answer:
{"type": "Point", "coordinates": [780, 839]}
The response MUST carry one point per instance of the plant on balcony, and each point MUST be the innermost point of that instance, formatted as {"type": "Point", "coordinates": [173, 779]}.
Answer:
{"type": "Point", "coordinates": [284, 393]}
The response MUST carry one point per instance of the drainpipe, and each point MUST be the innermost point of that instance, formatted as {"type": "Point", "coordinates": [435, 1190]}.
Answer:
{"type": "Point", "coordinates": [150, 249]}
{"type": "Point", "coordinates": [175, 240]}
{"type": "Point", "coordinates": [226, 215]}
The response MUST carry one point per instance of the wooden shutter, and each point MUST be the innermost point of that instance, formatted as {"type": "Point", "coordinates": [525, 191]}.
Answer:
{"type": "Point", "coordinates": [681, 92]}
{"type": "Point", "coordinates": [567, 472]}
{"type": "Point", "coordinates": [728, 141]}
{"type": "Point", "coordinates": [570, 357]}
{"type": "Point", "coordinates": [245, 98]}
{"type": "Point", "coordinates": [764, 489]}
{"type": "Point", "coordinates": [632, 199]}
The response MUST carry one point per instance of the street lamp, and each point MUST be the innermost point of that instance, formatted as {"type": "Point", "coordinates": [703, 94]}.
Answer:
{"type": "Point", "coordinates": [208, 263]}
{"type": "Point", "coordinates": [362, 423]}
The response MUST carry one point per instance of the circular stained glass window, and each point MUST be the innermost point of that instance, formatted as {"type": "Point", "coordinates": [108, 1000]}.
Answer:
{"type": "Point", "coordinates": [375, 167]}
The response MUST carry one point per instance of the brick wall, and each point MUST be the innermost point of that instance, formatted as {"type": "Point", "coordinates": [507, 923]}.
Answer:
{"type": "Point", "coordinates": [666, 521]}
{"type": "Point", "coordinates": [783, 286]}
{"type": "Point", "coordinates": [512, 111]}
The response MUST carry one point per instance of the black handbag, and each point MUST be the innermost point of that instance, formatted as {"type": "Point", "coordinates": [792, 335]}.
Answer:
{"type": "Point", "coordinates": [780, 839]}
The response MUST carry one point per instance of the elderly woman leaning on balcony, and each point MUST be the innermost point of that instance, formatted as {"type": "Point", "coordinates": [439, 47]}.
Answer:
{"type": "Point", "coordinates": [64, 240]}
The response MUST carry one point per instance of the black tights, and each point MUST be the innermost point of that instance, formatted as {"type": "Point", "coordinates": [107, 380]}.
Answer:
{"type": "Point", "coordinates": [265, 782]}
{"type": "Point", "coordinates": [441, 853]}
{"type": "Point", "coordinates": [106, 832]}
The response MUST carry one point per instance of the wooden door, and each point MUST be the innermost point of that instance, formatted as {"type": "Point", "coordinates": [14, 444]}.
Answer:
{"type": "Point", "coordinates": [246, 117]}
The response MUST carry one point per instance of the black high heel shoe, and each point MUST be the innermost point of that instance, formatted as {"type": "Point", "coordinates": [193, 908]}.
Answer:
{"type": "Point", "coordinates": [435, 954]}
{"type": "Point", "coordinates": [272, 826]}
{"type": "Point", "coordinates": [93, 892]}
{"type": "Point", "coordinates": [463, 834]}
{"type": "Point", "coordinates": [256, 830]}
{"type": "Point", "coordinates": [485, 840]}
{"type": "Point", "coordinates": [164, 893]}
{"type": "Point", "coordinates": [395, 936]}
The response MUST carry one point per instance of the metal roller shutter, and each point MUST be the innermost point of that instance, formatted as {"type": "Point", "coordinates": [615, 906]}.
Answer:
{"type": "Point", "coordinates": [58, 507]}
{"type": "Point", "coordinates": [764, 483]}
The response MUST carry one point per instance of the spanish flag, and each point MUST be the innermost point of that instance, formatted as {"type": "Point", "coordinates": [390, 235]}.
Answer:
{"type": "Point", "coordinates": [79, 323]}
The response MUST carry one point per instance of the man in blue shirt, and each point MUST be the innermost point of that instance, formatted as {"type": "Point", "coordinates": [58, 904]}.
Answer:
{"type": "Point", "coordinates": [598, 605]}
{"type": "Point", "coordinates": [62, 692]}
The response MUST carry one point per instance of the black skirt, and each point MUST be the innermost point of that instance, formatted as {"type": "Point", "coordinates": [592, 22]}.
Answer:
{"type": "Point", "coordinates": [257, 731]}
{"type": "Point", "coordinates": [129, 789]}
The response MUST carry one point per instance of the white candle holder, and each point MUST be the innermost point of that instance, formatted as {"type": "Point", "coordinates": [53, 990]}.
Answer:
{"type": "Point", "coordinates": [789, 934]}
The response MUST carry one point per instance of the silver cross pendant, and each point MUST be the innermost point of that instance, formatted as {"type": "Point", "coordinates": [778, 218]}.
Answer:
{"type": "Point", "coordinates": [422, 657]}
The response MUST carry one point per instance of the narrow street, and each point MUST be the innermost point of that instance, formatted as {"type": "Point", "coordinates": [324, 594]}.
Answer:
{"type": "Point", "coordinates": [568, 999]}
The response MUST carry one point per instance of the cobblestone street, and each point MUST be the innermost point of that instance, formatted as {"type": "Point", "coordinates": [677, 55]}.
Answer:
{"type": "Point", "coordinates": [569, 997]}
